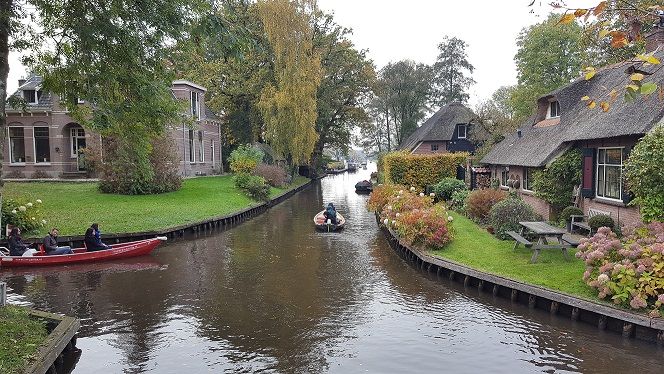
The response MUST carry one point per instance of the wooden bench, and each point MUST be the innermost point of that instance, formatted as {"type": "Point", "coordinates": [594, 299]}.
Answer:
{"type": "Point", "coordinates": [583, 220]}
{"type": "Point", "coordinates": [519, 239]}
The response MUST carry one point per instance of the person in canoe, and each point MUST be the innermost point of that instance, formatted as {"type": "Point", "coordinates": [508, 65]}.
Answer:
{"type": "Point", "coordinates": [16, 245]}
{"type": "Point", "coordinates": [331, 214]}
{"type": "Point", "coordinates": [93, 239]}
{"type": "Point", "coordinates": [51, 244]}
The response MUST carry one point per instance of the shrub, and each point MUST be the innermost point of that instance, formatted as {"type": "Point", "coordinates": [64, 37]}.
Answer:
{"type": "Point", "coordinates": [644, 175]}
{"type": "Point", "coordinates": [273, 174]}
{"type": "Point", "coordinates": [419, 170]}
{"type": "Point", "coordinates": [479, 203]}
{"type": "Point", "coordinates": [257, 188]}
{"type": "Point", "coordinates": [631, 270]}
{"type": "Point", "coordinates": [164, 160]}
{"type": "Point", "coordinates": [567, 213]}
{"type": "Point", "coordinates": [241, 180]}
{"type": "Point", "coordinates": [25, 214]}
{"type": "Point", "coordinates": [447, 187]}
{"type": "Point", "coordinates": [556, 182]}
{"type": "Point", "coordinates": [381, 195]}
{"type": "Point", "coordinates": [600, 220]}
{"type": "Point", "coordinates": [429, 228]}
{"type": "Point", "coordinates": [244, 159]}
{"type": "Point", "coordinates": [458, 202]}
{"type": "Point", "coordinates": [405, 201]}
{"type": "Point", "coordinates": [506, 214]}
{"type": "Point", "coordinates": [40, 174]}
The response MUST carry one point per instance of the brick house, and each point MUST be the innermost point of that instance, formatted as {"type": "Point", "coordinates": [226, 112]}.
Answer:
{"type": "Point", "coordinates": [446, 131]}
{"type": "Point", "coordinates": [45, 141]}
{"type": "Point", "coordinates": [563, 121]}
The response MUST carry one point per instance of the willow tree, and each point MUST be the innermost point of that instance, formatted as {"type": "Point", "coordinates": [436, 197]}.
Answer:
{"type": "Point", "coordinates": [288, 104]}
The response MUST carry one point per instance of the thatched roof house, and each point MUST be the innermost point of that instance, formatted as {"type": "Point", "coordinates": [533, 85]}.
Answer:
{"type": "Point", "coordinates": [446, 130]}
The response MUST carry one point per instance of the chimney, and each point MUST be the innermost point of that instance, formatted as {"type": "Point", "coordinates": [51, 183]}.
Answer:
{"type": "Point", "coordinates": [518, 133]}
{"type": "Point", "coordinates": [655, 38]}
{"type": "Point", "coordinates": [21, 82]}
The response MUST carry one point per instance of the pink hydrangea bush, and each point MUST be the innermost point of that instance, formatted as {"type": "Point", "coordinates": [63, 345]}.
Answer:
{"type": "Point", "coordinates": [629, 271]}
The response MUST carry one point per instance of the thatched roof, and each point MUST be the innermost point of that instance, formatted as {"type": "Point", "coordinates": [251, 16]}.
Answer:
{"type": "Point", "coordinates": [440, 126]}
{"type": "Point", "coordinates": [542, 141]}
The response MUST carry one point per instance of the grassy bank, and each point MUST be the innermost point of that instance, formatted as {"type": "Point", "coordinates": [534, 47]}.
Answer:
{"type": "Point", "coordinates": [72, 207]}
{"type": "Point", "coordinates": [21, 336]}
{"type": "Point", "coordinates": [475, 247]}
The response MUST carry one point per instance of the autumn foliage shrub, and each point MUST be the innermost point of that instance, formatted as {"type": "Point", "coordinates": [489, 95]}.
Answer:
{"type": "Point", "coordinates": [629, 271]}
{"type": "Point", "coordinates": [419, 170]}
{"type": "Point", "coordinates": [244, 159]}
{"type": "Point", "coordinates": [480, 202]}
{"type": "Point", "coordinates": [273, 174]}
{"type": "Point", "coordinates": [412, 215]}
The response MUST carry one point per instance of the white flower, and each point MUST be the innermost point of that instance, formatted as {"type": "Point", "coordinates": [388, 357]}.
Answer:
{"type": "Point", "coordinates": [33, 218]}
{"type": "Point", "coordinates": [432, 194]}
{"type": "Point", "coordinates": [29, 205]}
{"type": "Point", "coordinates": [412, 189]}
{"type": "Point", "coordinates": [400, 192]}
{"type": "Point", "coordinates": [450, 218]}
{"type": "Point", "coordinates": [21, 208]}
{"type": "Point", "coordinates": [380, 184]}
{"type": "Point", "coordinates": [398, 214]}
{"type": "Point", "coordinates": [386, 221]}
{"type": "Point", "coordinates": [39, 201]}
{"type": "Point", "coordinates": [14, 211]}
{"type": "Point", "coordinates": [421, 194]}
{"type": "Point", "coordinates": [43, 222]}
{"type": "Point", "coordinates": [394, 222]}
{"type": "Point", "coordinates": [389, 207]}
{"type": "Point", "coordinates": [603, 278]}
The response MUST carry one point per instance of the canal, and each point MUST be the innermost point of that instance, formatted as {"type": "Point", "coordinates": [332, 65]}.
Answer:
{"type": "Point", "coordinates": [272, 295]}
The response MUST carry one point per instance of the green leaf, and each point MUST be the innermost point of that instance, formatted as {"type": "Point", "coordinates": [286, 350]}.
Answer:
{"type": "Point", "coordinates": [648, 88]}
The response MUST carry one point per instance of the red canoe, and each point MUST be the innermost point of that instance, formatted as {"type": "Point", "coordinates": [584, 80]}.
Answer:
{"type": "Point", "coordinates": [122, 250]}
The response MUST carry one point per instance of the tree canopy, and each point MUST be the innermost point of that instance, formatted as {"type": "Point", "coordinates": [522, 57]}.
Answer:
{"type": "Point", "coordinates": [452, 72]}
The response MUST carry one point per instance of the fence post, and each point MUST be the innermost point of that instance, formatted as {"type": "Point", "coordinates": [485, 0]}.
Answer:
{"type": "Point", "coordinates": [3, 294]}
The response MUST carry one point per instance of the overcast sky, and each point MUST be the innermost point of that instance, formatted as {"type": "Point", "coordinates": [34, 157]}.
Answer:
{"type": "Point", "coordinates": [411, 29]}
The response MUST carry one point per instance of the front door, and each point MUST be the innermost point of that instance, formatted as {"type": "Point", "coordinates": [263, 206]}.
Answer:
{"type": "Point", "coordinates": [77, 147]}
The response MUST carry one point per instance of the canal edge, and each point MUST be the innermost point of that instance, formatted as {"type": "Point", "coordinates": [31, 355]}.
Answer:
{"type": "Point", "coordinates": [630, 325]}
{"type": "Point", "coordinates": [61, 339]}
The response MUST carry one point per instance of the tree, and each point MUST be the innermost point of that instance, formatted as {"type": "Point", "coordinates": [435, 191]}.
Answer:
{"type": "Point", "coordinates": [644, 175]}
{"type": "Point", "coordinates": [495, 119]}
{"type": "Point", "coordinates": [549, 56]}
{"type": "Point", "coordinates": [452, 72]}
{"type": "Point", "coordinates": [289, 104]}
{"type": "Point", "coordinates": [348, 77]}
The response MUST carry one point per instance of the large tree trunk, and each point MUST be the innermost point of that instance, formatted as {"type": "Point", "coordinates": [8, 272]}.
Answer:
{"type": "Point", "coordinates": [6, 12]}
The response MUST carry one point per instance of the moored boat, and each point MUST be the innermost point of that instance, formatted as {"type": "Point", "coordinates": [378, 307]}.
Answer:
{"type": "Point", "coordinates": [80, 255]}
{"type": "Point", "coordinates": [364, 186]}
{"type": "Point", "coordinates": [322, 224]}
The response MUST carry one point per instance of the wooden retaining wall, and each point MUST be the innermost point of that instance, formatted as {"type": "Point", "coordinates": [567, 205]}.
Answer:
{"type": "Point", "coordinates": [605, 317]}
{"type": "Point", "coordinates": [215, 223]}
{"type": "Point", "coordinates": [59, 340]}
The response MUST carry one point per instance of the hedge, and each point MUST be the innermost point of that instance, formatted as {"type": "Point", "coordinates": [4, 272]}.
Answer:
{"type": "Point", "coordinates": [419, 170]}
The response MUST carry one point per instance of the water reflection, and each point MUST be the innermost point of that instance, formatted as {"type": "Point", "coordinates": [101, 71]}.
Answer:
{"type": "Point", "coordinates": [274, 295]}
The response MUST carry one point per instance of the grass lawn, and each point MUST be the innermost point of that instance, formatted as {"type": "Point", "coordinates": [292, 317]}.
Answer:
{"type": "Point", "coordinates": [475, 247]}
{"type": "Point", "coordinates": [72, 207]}
{"type": "Point", "coordinates": [20, 336]}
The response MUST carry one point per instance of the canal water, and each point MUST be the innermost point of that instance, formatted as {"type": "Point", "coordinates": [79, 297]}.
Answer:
{"type": "Point", "coordinates": [274, 296]}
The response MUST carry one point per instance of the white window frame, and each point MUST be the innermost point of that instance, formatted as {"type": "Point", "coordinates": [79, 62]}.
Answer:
{"type": "Point", "coordinates": [465, 131]}
{"type": "Point", "coordinates": [506, 171]}
{"type": "Point", "coordinates": [11, 149]}
{"type": "Point", "coordinates": [549, 111]}
{"type": "Point", "coordinates": [36, 97]}
{"type": "Point", "coordinates": [73, 139]}
{"type": "Point", "coordinates": [201, 148]}
{"type": "Point", "coordinates": [34, 145]}
{"type": "Point", "coordinates": [435, 145]}
{"type": "Point", "coordinates": [192, 146]}
{"type": "Point", "coordinates": [194, 103]}
{"type": "Point", "coordinates": [620, 180]}
{"type": "Point", "coordinates": [212, 151]}
{"type": "Point", "coordinates": [526, 180]}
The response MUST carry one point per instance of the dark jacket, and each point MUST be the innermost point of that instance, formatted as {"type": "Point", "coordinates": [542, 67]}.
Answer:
{"type": "Point", "coordinates": [50, 243]}
{"type": "Point", "coordinates": [16, 246]}
{"type": "Point", "coordinates": [91, 243]}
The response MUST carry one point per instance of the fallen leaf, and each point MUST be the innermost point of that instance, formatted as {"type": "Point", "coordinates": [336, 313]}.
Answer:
{"type": "Point", "coordinates": [613, 94]}
{"type": "Point", "coordinates": [585, 98]}
{"type": "Point", "coordinates": [648, 88]}
{"type": "Point", "coordinates": [632, 87]}
{"type": "Point", "coordinates": [649, 58]}
{"type": "Point", "coordinates": [604, 105]}
{"type": "Point", "coordinates": [636, 77]}
{"type": "Point", "coordinates": [591, 104]}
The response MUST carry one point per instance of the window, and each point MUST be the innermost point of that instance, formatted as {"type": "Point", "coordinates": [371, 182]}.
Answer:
{"type": "Point", "coordinates": [434, 147]}
{"type": "Point", "coordinates": [609, 173]}
{"type": "Point", "coordinates": [201, 150]}
{"type": "Point", "coordinates": [461, 131]}
{"type": "Point", "coordinates": [194, 105]}
{"type": "Point", "coordinates": [42, 147]}
{"type": "Point", "coordinates": [528, 179]}
{"type": "Point", "coordinates": [504, 176]}
{"type": "Point", "coordinates": [212, 151]}
{"type": "Point", "coordinates": [16, 145]}
{"type": "Point", "coordinates": [31, 96]}
{"type": "Point", "coordinates": [192, 155]}
{"type": "Point", "coordinates": [554, 110]}
{"type": "Point", "coordinates": [77, 136]}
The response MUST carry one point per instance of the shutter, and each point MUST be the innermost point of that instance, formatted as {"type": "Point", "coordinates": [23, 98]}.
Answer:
{"type": "Point", "coordinates": [627, 195]}
{"type": "Point", "coordinates": [588, 172]}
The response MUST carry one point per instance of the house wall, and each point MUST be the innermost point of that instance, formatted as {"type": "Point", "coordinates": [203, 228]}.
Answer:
{"type": "Point", "coordinates": [425, 147]}
{"type": "Point", "coordinates": [460, 145]}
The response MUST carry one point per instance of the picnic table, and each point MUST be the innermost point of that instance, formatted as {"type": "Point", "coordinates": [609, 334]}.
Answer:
{"type": "Point", "coordinates": [543, 231]}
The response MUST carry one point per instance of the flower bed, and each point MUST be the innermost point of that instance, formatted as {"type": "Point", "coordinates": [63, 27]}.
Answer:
{"type": "Point", "coordinates": [414, 216]}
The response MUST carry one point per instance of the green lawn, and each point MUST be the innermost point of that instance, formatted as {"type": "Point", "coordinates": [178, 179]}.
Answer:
{"type": "Point", "coordinates": [21, 336]}
{"type": "Point", "coordinates": [72, 207]}
{"type": "Point", "coordinates": [475, 247]}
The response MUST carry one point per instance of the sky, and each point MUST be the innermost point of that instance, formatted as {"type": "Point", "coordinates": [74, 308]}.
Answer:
{"type": "Point", "coordinates": [411, 29]}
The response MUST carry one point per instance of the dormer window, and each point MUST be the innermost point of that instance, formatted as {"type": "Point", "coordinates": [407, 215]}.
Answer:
{"type": "Point", "coordinates": [554, 110]}
{"type": "Point", "coordinates": [31, 96]}
{"type": "Point", "coordinates": [195, 112]}
{"type": "Point", "coordinates": [462, 131]}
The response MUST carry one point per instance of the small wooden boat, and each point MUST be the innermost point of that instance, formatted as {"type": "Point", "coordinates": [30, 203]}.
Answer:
{"type": "Point", "coordinates": [321, 224]}
{"type": "Point", "coordinates": [122, 250]}
{"type": "Point", "coordinates": [363, 187]}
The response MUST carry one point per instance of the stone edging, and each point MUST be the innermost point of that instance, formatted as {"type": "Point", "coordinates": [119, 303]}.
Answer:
{"type": "Point", "coordinates": [605, 317]}
{"type": "Point", "coordinates": [205, 225]}
{"type": "Point", "coordinates": [61, 338]}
